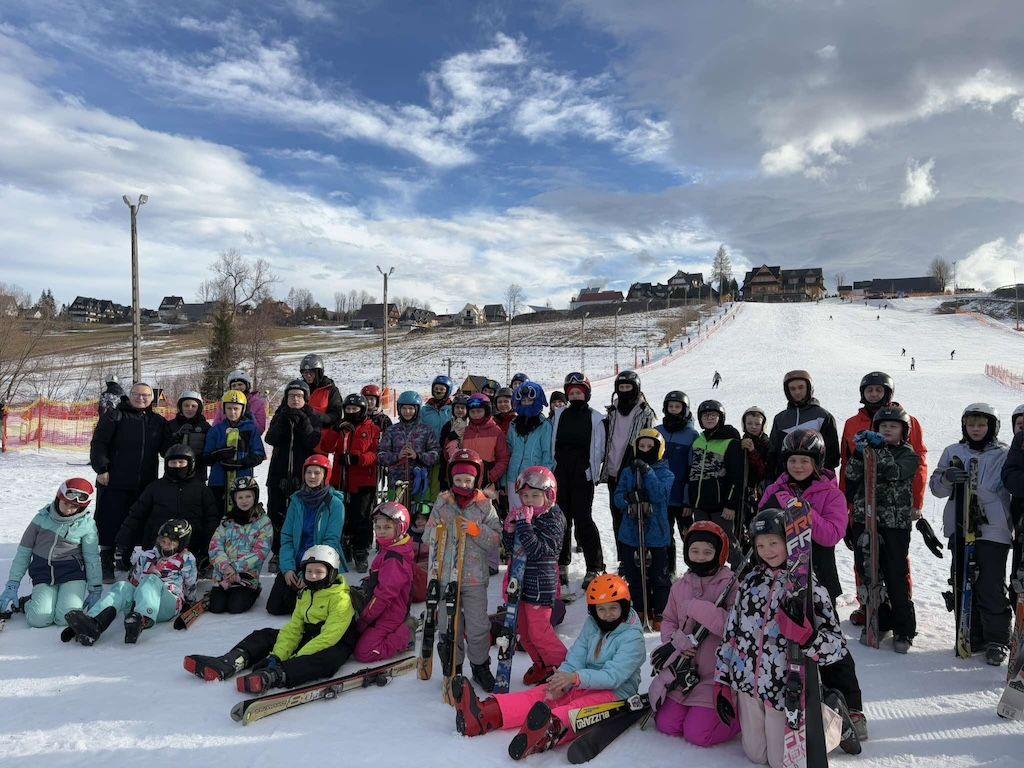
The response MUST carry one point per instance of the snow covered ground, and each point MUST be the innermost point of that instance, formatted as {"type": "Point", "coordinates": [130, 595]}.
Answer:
{"type": "Point", "coordinates": [76, 706]}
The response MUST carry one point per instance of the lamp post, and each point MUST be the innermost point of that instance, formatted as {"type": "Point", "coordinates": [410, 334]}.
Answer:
{"type": "Point", "coordinates": [387, 322]}
{"type": "Point", "coordinates": [508, 350]}
{"type": "Point", "coordinates": [615, 339]}
{"type": "Point", "coordinates": [647, 332]}
{"type": "Point", "coordinates": [583, 365]}
{"type": "Point", "coordinates": [136, 311]}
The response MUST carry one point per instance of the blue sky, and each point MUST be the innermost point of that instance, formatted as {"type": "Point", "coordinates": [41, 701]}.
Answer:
{"type": "Point", "coordinates": [474, 144]}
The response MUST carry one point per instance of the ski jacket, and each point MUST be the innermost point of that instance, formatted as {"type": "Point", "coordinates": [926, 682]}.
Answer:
{"type": "Point", "coordinates": [530, 450]}
{"type": "Point", "coordinates": [435, 415]}
{"type": "Point", "coordinates": [657, 484]}
{"type": "Point", "coordinates": [860, 422]}
{"type": "Point", "coordinates": [294, 435]}
{"type": "Point", "coordinates": [608, 662]}
{"type": "Point", "coordinates": [640, 417]}
{"type": "Point", "coordinates": [55, 549]}
{"type": "Point", "coordinates": [190, 432]}
{"type": "Point", "coordinates": [752, 658]}
{"type": "Point", "coordinates": [828, 505]}
{"type": "Point", "coordinates": [388, 586]}
{"type": "Point", "coordinates": [1013, 477]}
{"type": "Point", "coordinates": [326, 402]}
{"type": "Point", "coordinates": [479, 549]}
{"type": "Point", "coordinates": [359, 441]}
{"type": "Point", "coordinates": [450, 442]}
{"type": "Point", "coordinates": [319, 621]}
{"type": "Point", "coordinates": [678, 445]}
{"type": "Point", "coordinates": [757, 464]}
{"type": "Point", "coordinates": [178, 572]}
{"type": "Point", "coordinates": [992, 494]}
{"type": "Point", "coordinates": [381, 419]}
{"type": "Point", "coordinates": [110, 398]}
{"type": "Point", "coordinates": [167, 499]}
{"type": "Point", "coordinates": [330, 521]}
{"type": "Point", "coordinates": [255, 411]}
{"type": "Point", "coordinates": [244, 547]}
{"type": "Point", "coordinates": [808, 415]}
{"type": "Point", "coordinates": [597, 442]}
{"type": "Point", "coordinates": [504, 420]}
{"type": "Point", "coordinates": [541, 542]}
{"type": "Point", "coordinates": [127, 443]}
{"type": "Point", "coordinates": [716, 470]}
{"type": "Point", "coordinates": [420, 437]}
{"type": "Point", "coordinates": [249, 451]}
{"type": "Point", "coordinates": [895, 474]}
{"type": "Point", "coordinates": [691, 602]}
{"type": "Point", "coordinates": [487, 439]}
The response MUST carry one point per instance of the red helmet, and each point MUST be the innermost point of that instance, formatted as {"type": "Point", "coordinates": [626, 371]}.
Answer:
{"type": "Point", "coordinates": [576, 379]}
{"type": "Point", "coordinates": [467, 456]}
{"type": "Point", "coordinates": [540, 479]}
{"type": "Point", "coordinates": [395, 512]}
{"type": "Point", "coordinates": [317, 460]}
{"type": "Point", "coordinates": [704, 529]}
{"type": "Point", "coordinates": [370, 390]}
{"type": "Point", "coordinates": [77, 491]}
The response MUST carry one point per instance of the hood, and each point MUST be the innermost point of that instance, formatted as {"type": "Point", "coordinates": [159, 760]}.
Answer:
{"type": "Point", "coordinates": [60, 519]}
{"type": "Point", "coordinates": [722, 432]}
{"type": "Point", "coordinates": [404, 547]}
{"type": "Point", "coordinates": [806, 404]}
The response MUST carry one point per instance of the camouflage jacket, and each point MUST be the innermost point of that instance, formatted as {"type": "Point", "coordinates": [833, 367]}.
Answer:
{"type": "Point", "coordinates": [894, 485]}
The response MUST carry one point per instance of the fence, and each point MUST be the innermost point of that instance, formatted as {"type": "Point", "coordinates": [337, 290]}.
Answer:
{"type": "Point", "coordinates": [1012, 379]}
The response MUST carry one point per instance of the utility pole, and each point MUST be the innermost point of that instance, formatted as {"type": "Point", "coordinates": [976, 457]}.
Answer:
{"type": "Point", "coordinates": [508, 351]}
{"type": "Point", "coordinates": [583, 366]}
{"type": "Point", "coordinates": [450, 362]}
{"type": "Point", "coordinates": [387, 322]}
{"type": "Point", "coordinates": [615, 339]}
{"type": "Point", "coordinates": [136, 310]}
{"type": "Point", "coordinates": [647, 332]}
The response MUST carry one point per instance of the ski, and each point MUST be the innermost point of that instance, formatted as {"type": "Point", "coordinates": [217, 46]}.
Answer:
{"type": "Point", "coordinates": [188, 615]}
{"type": "Point", "coordinates": [869, 541]}
{"type": "Point", "coordinates": [643, 510]}
{"type": "Point", "coordinates": [585, 718]}
{"type": "Point", "coordinates": [448, 648]}
{"type": "Point", "coordinates": [507, 638]}
{"type": "Point", "coordinates": [231, 437]}
{"type": "Point", "coordinates": [966, 521]}
{"type": "Point", "coordinates": [3, 620]}
{"type": "Point", "coordinates": [251, 710]}
{"type": "Point", "coordinates": [595, 739]}
{"type": "Point", "coordinates": [1011, 703]}
{"type": "Point", "coordinates": [425, 663]}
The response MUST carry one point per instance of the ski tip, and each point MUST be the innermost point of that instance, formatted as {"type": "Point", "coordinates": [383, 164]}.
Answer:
{"type": "Point", "coordinates": [238, 713]}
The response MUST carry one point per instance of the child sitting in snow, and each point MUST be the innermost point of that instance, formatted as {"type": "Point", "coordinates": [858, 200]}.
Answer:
{"type": "Point", "coordinates": [161, 580]}
{"type": "Point", "coordinates": [238, 548]}
{"type": "Point", "coordinates": [603, 665]}
{"type": "Point", "coordinates": [60, 552]}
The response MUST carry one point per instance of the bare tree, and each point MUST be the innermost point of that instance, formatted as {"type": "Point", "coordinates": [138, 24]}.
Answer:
{"type": "Point", "coordinates": [721, 271]}
{"type": "Point", "coordinates": [20, 342]}
{"type": "Point", "coordinates": [257, 343]}
{"type": "Point", "coordinates": [238, 281]}
{"type": "Point", "coordinates": [340, 304]}
{"type": "Point", "coordinates": [300, 299]}
{"type": "Point", "coordinates": [513, 298]}
{"type": "Point", "coordinates": [942, 271]}
{"type": "Point", "coordinates": [840, 278]}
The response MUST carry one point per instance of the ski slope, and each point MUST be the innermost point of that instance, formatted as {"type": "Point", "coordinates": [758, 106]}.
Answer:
{"type": "Point", "coordinates": [79, 706]}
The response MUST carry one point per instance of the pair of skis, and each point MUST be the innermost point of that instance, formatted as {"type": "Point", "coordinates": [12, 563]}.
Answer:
{"type": "Point", "coordinates": [1011, 703]}
{"type": "Point", "coordinates": [507, 638]}
{"type": "Point", "coordinates": [965, 501]}
{"type": "Point", "coordinates": [599, 725]}
{"type": "Point", "coordinates": [642, 511]}
{"type": "Point", "coordinates": [425, 663]}
{"type": "Point", "coordinates": [188, 615]}
{"type": "Point", "coordinates": [447, 645]}
{"type": "Point", "coordinates": [870, 548]}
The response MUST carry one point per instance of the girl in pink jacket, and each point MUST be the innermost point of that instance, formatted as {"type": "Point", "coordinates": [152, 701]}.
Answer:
{"type": "Point", "coordinates": [384, 628]}
{"type": "Point", "coordinates": [702, 597]}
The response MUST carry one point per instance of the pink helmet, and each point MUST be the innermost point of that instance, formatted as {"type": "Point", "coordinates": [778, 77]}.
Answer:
{"type": "Point", "coordinates": [397, 513]}
{"type": "Point", "coordinates": [540, 479]}
{"type": "Point", "coordinates": [77, 491]}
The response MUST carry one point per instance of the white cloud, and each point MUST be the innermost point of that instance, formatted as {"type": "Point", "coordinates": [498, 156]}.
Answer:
{"type": "Point", "coordinates": [920, 184]}
{"type": "Point", "coordinates": [827, 52]}
{"type": "Point", "coordinates": [1018, 111]}
{"type": "Point", "coordinates": [992, 264]}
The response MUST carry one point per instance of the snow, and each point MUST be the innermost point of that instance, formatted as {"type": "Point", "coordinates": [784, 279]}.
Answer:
{"type": "Point", "coordinates": [86, 706]}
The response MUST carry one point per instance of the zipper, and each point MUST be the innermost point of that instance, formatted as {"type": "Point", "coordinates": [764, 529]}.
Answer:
{"type": "Point", "coordinates": [700, 484]}
{"type": "Point", "coordinates": [49, 556]}
{"type": "Point", "coordinates": [760, 640]}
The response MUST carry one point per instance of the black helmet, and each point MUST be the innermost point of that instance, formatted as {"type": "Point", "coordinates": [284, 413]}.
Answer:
{"type": "Point", "coordinates": [245, 484]}
{"type": "Point", "coordinates": [298, 384]}
{"type": "Point", "coordinates": [461, 398]}
{"type": "Point", "coordinates": [711, 406]}
{"type": "Point", "coordinates": [627, 377]}
{"type": "Point", "coordinates": [805, 442]}
{"type": "Point", "coordinates": [359, 402]}
{"type": "Point", "coordinates": [181, 451]}
{"type": "Point", "coordinates": [881, 379]}
{"type": "Point", "coordinates": [311, 362]}
{"type": "Point", "coordinates": [177, 529]}
{"type": "Point", "coordinates": [768, 521]}
{"type": "Point", "coordinates": [676, 396]}
{"type": "Point", "coordinates": [892, 413]}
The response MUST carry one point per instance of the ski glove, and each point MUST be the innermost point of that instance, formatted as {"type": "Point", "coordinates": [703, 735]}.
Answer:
{"type": "Point", "coordinates": [660, 655]}
{"type": "Point", "coordinates": [867, 437]}
{"type": "Point", "coordinates": [954, 475]}
{"type": "Point", "coordinates": [641, 466]}
{"type": "Point", "coordinates": [9, 597]}
{"type": "Point", "coordinates": [122, 560]}
{"type": "Point", "coordinates": [221, 454]}
{"type": "Point", "coordinates": [725, 703]}
{"type": "Point", "coordinates": [930, 539]}
{"type": "Point", "coordinates": [636, 497]}
{"type": "Point", "coordinates": [92, 597]}
{"type": "Point", "coordinates": [793, 624]}
{"type": "Point", "coordinates": [271, 662]}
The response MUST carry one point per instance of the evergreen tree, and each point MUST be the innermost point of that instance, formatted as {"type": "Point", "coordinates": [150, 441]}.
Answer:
{"type": "Point", "coordinates": [220, 357]}
{"type": "Point", "coordinates": [47, 305]}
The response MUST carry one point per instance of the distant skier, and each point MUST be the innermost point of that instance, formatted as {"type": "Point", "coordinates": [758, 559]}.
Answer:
{"type": "Point", "coordinates": [878, 317]}
{"type": "Point", "coordinates": [904, 352]}
{"type": "Point", "coordinates": [951, 354]}
{"type": "Point", "coordinates": [716, 380]}
{"type": "Point", "coordinates": [913, 364]}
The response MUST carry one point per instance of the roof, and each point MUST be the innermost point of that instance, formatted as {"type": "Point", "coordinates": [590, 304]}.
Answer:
{"type": "Point", "coordinates": [171, 301]}
{"type": "Point", "coordinates": [599, 296]}
{"type": "Point", "coordinates": [494, 307]}
{"type": "Point", "coordinates": [369, 310]}
{"type": "Point", "coordinates": [924, 284]}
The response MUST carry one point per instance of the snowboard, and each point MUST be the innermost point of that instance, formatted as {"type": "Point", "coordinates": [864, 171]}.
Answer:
{"type": "Point", "coordinates": [425, 663]}
{"type": "Point", "coordinates": [869, 547]}
{"type": "Point", "coordinates": [506, 639]}
{"type": "Point", "coordinates": [188, 615]}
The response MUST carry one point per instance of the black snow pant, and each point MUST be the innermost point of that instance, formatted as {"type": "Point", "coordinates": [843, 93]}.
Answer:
{"type": "Point", "coordinates": [620, 548]}
{"type": "Point", "coordinates": [576, 500]}
{"type": "Point", "coordinates": [841, 676]}
{"type": "Point", "coordinates": [282, 598]}
{"type": "Point", "coordinates": [358, 531]}
{"type": "Point", "coordinates": [729, 526]}
{"type": "Point", "coordinates": [990, 614]}
{"type": "Point", "coordinates": [896, 614]}
{"type": "Point", "coordinates": [234, 599]}
{"type": "Point", "coordinates": [299, 670]}
{"type": "Point", "coordinates": [683, 523]}
{"type": "Point", "coordinates": [277, 509]}
{"type": "Point", "coordinates": [112, 505]}
{"type": "Point", "coordinates": [658, 581]}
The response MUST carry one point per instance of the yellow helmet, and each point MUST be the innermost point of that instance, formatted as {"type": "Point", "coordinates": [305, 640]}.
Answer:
{"type": "Point", "coordinates": [654, 435]}
{"type": "Point", "coordinates": [233, 396]}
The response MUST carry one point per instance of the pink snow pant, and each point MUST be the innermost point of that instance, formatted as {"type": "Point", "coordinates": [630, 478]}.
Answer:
{"type": "Point", "coordinates": [699, 726]}
{"type": "Point", "coordinates": [762, 728]}
{"type": "Point", "coordinates": [538, 636]}
{"type": "Point", "coordinates": [379, 643]}
{"type": "Point", "coordinates": [515, 706]}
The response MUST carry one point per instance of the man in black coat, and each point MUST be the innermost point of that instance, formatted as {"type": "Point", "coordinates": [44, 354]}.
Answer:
{"type": "Point", "coordinates": [802, 412]}
{"type": "Point", "coordinates": [125, 454]}
{"type": "Point", "coordinates": [1013, 480]}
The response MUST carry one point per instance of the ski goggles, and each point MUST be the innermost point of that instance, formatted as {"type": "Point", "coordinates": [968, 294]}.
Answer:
{"type": "Point", "coordinates": [537, 478]}
{"type": "Point", "coordinates": [76, 496]}
{"type": "Point", "coordinates": [526, 392]}
{"type": "Point", "coordinates": [575, 378]}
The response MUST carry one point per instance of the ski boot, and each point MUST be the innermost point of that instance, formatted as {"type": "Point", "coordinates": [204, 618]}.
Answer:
{"type": "Point", "coordinates": [537, 674]}
{"type": "Point", "coordinates": [107, 564]}
{"type": "Point", "coordinates": [849, 741]}
{"type": "Point", "coordinates": [563, 575]}
{"type": "Point", "coordinates": [211, 668]}
{"type": "Point", "coordinates": [860, 724]}
{"type": "Point", "coordinates": [588, 577]}
{"type": "Point", "coordinates": [361, 564]}
{"type": "Point", "coordinates": [87, 629]}
{"type": "Point", "coordinates": [134, 623]}
{"type": "Point", "coordinates": [258, 682]}
{"type": "Point", "coordinates": [858, 618]}
{"type": "Point", "coordinates": [482, 675]}
{"type": "Point", "coordinates": [539, 733]}
{"type": "Point", "coordinates": [472, 716]}
{"type": "Point", "coordinates": [901, 644]}
{"type": "Point", "coordinates": [995, 654]}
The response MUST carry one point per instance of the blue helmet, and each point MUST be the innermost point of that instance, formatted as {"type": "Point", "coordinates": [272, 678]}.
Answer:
{"type": "Point", "coordinates": [530, 389]}
{"type": "Point", "coordinates": [518, 379]}
{"type": "Point", "coordinates": [410, 398]}
{"type": "Point", "coordinates": [444, 381]}
{"type": "Point", "coordinates": [479, 400]}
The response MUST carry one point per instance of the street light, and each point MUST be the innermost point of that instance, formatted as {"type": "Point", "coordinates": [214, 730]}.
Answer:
{"type": "Point", "coordinates": [583, 367]}
{"type": "Point", "coordinates": [615, 339]}
{"type": "Point", "coordinates": [387, 322]}
{"type": "Point", "coordinates": [136, 311]}
{"type": "Point", "coordinates": [647, 333]}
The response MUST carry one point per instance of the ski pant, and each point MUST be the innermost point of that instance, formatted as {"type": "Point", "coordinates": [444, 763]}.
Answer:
{"type": "Point", "coordinates": [620, 553]}
{"type": "Point", "coordinates": [538, 636]}
{"type": "Point", "coordinates": [658, 581]}
{"type": "Point", "coordinates": [896, 613]}
{"type": "Point", "coordinates": [234, 599]}
{"type": "Point", "coordinates": [990, 614]}
{"type": "Point", "coordinates": [858, 573]}
{"type": "Point", "coordinates": [516, 706]}
{"type": "Point", "coordinates": [277, 509]}
{"type": "Point", "coordinates": [729, 526]}
{"type": "Point", "coordinates": [282, 598]}
{"type": "Point", "coordinates": [299, 670]}
{"type": "Point", "coordinates": [112, 505]}
{"type": "Point", "coordinates": [220, 497]}
{"type": "Point", "coordinates": [683, 523]}
{"type": "Point", "coordinates": [380, 642]}
{"type": "Point", "coordinates": [699, 726]}
{"type": "Point", "coordinates": [762, 730]}
{"type": "Point", "coordinates": [50, 602]}
{"type": "Point", "coordinates": [358, 533]}
{"type": "Point", "coordinates": [474, 638]}
{"type": "Point", "coordinates": [151, 598]}
{"type": "Point", "coordinates": [842, 676]}
{"type": "Point", "coordinates": [576, 500]}
{"type": "Point", "coordinates": [823, 560]}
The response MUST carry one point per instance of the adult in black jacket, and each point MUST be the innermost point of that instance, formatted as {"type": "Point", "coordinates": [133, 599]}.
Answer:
{"type": "Point", "coordinates": [324, 397]}
{"type": "Point", "coordinates": [125, 454]}
{"type": "Point", "coordinates": [1013, 480]}
{"type": "Point", "coordinates": [179, 494]}
{"type": "Point", "coordinates": [802, 412]}
{"type": "Point", "coordinates": [189, 427]}
{"type": "Point", "coordinates": [294, 432]}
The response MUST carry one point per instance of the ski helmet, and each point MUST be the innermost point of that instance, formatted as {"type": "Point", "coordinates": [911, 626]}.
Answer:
{"type": "Point", "coordinates": [178, 530]}
{"type": "Point", "coordinates": [711, 406]}
{"type": "Point", "coordinates": [558, 396]}
{"type": "Point", "coordinates": [505, 392]}
{"type": "Point", "coordinates": [981, 409]}
{"type": "Point", "coordinates": [881, 379]}
{"type": "Point", "coordinates": [357, 401]}
{"type": "Point", "coordinates": [676, 396]}
{"type": "Point", "coordinates": [756, 410]}
{"type": "Point", "coordinates": [371, 390]}
{"type": "Point", "coordinates": [77, 491]}
{"type": "Point", "coordinates": [1018, 411]}
{"type": "Point", "coordinates": [604, 589]}
{"type": "Point", "coordinates": [245, 484]}
{"type": "Point", "coordinates": [299, 385]}
{"type": "Point", "coordinates": [804, 442]}
{"type": "Point", "coordinates": [311, 362]}
{"type": "Point", "coordinates": [465, 456]}
{"type": "Point", "coordinates": [410, 398]}
{"type": "Point", "coordinates": [395, 512]}
{"type": "Point", "coordinates": [191, 394]}
{"type": "Point", "coordinates": [540, 479]}
{"type": "Point", "coordinates": [238, 375]}
{"type": "Point", "coordinates": [492, 385]}
{"type": "Point", "coordinates": [576, 379]}
{"type": "Point", "coordinates": [529, 389]}
{"type": "Point", "coordinates": [234, 396]}
{"type": "Point", "coordinates": [461, 398]}
{"type": "Point", "coordinates": [444, 381]}
{"type": "Point", "coordinates": [111, 379]}
{"type": "Point", "coordinates": [317, 460]}
{"type": "Point", "coordinates": [181, 451]}
{"type": "Point", "coordinates": [712, 533]}
{"type": "Point", "coordinates": [651, 434]}
{"type": "Point", "coordinates": [794, 376]}
{"type": "Point", "coordinates": [479, 400]}
{"type": "Point", "coordinates": [517, 379]}
{"type": "Point", "coordinates": [628, 377]}
{"type": "Point", "coordinates": [769, 521]}
{"type": "Point", "coordinates": [325, 555]}
{"type": "Point", "coordinates": [892, 413]}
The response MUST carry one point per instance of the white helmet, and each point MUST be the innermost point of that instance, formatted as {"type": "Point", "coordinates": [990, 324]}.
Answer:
{"type": "Point", "coordinates": [986, 410]}
{"type": "Point", "coordinates": [238, 375]}
{"type": "Point", "coordinates": [191, 394]}
{"type": "Point", "coordinates": [325, 555]}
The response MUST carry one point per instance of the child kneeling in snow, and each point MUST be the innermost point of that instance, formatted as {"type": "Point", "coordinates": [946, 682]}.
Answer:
{"type": "Point", "coordinates": [60, 552]}
{"type": "Point", "coordinates": [317, 640]}
{"type": "Point", "coordinates": [603, 665]}
{"type": "Point", "coordinates": [752, 660]}
{"type": "Point", "coordinates": [238, 548]}
{"type": "Point", "coordinates": [385, 628]}
{"type": "Point", "coordinates": [702, 597]}
{"type": "Point", "coordinates": [161, 580]}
